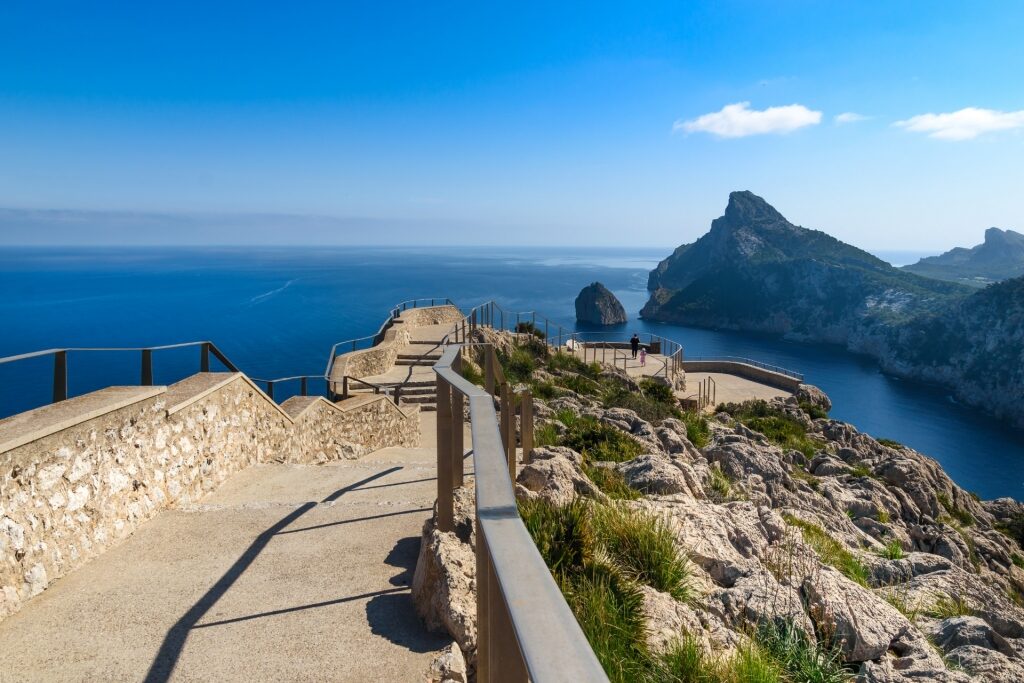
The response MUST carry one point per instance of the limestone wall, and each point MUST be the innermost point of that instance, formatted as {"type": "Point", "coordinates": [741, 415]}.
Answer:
{"type": "Point", "coordinates": [380, 358]}
{"type": "Point", "coordinates": [772, 379]}
{"type": "Point", "coordinates": [67, 494]}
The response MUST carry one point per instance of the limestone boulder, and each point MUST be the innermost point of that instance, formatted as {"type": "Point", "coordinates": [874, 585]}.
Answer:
{"type": "Point", "coordinates": [555, 473]}
{"type": "Point", "coordinates": [444, 586]}
{"type": "Point", "coordinates": [863, 625]}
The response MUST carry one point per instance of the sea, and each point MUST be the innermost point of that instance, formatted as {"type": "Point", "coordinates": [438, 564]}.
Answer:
{"type": "Point", "coordinates": [276, 312]}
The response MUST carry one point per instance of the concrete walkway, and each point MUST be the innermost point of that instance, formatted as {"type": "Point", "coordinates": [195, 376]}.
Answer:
{"type": "Point", "coordinates": [286, 573]}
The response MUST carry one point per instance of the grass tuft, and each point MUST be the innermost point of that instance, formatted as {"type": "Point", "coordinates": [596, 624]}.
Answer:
{"type": "Point", "coordinates": [892, 550]}
{"type": "Point", "coordinates": [777, 426]}
{"type": "Point", "coordinates": [644, 548]}
{"type": "Point", "coordinates": [611, 482]}
{"type": "Point", "coordinates": [946, 606]}
{"type": "Point", "coordinates": [831, 551]}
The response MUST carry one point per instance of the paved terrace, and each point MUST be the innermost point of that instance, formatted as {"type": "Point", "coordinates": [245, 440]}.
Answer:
{"type": "Point", "coordinates": [730, 388]}
{"type": "Point", "coordinates": [286, 572]}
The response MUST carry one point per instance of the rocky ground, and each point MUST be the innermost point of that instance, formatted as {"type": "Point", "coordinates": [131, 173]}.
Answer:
{"type": "Point", "coordinates": [868, 547]}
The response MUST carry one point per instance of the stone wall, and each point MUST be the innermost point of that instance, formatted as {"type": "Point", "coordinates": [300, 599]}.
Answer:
{"type": "Point", "coordinates": [381, 357]}
{"type": "Point", "coordinates": [69, 495]}
{"type": "Point", "coordinates": [772, 379]}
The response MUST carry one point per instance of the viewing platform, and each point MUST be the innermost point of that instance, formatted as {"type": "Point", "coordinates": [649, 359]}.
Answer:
{"type": "Point", "coordinates": [203, 531]}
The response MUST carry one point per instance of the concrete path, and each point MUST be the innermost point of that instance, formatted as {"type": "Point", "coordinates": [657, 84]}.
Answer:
{"type": "Point", "coordinates": [286, 573]}
{"type": "Point", "coordinates": [732, 388]}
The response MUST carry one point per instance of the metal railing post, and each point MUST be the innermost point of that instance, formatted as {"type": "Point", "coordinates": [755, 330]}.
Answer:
{"type": "Point", "coordinates": [270, 389]}
{"type": "Point", "coordinates": [483, 588]}
{"type": "Point", "coordinates": [303, 387]}
{"type": "Point", "coordinates": [506, 660]}
{"type": "Point", "coordinates": [510, 426]}
{"type": "Point", "coordinates": [445, 505]}
{"type": "Point", "coordinates": [344, 386]}
{"type": "Point", "coordinates": [458, 441]}
{"type": "Point", "coordinates": [204, 357]}
{"type": "Point", "coordinates": [147, 368]}
{"type": "Point", "coordinates": [489, 370]}
{"type": "Point", "coordinates": [60, 376]}
{"type": "Point", "coordinates": [526, 425]}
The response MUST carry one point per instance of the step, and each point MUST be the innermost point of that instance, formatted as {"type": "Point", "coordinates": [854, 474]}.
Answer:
{"type": "Point", "coordinates": [418, 399]}
{"type": "Point", "coordinates": [419, 391]}
{"type": "Point", "coordinates": [427, 362]}
{"type": "Point", "coordinates": [417, 356]}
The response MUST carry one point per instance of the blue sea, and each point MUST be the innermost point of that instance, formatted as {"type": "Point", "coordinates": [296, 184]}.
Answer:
{"type": "Point", "coordinates": [276, 312]}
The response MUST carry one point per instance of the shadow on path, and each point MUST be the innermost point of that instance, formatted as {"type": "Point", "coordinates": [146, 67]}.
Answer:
{"type": "Point", "coordinates": [174, 642]}
{"type": "Point", "coordinates": [404, 556]}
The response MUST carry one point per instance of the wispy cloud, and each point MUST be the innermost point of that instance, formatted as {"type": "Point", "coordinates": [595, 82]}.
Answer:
{"type": "Point", "coordinates": [965, 124]}
{"type": "Point", "coordinates": [850, 117]}
{"type": "Point", "coordinates": [739, 120]}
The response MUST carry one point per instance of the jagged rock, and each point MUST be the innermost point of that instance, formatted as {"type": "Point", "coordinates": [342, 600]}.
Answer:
{"type": "Point", "coordinates": [808, 393]}
{"type": "Point", "coordinates": [911, 659]}
{"type": "Point", "coordinates": [862, 625]}
{"type": "Point", "coordinates": [667, 619]}
{"type": "Point", "coordinates": [672, 435]}
{"type": "Point", "coordinates": [985, 664]}
{"type": "Point", "coordinates": [598, 306]}
{"type": "Point", "coordinates": [449, 666]}
{"type": "Point", "coordinates": [655, 473]}
{"type": "Point", "coordinates": [555, 473]}
{"type": "Point", "coordinates": [444, 585]}
{"type": "Point", "coordinates": [956, 632]}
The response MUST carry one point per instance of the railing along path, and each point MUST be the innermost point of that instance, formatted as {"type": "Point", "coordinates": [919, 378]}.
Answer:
{"type": "Point", "coordinates": [525, 629]}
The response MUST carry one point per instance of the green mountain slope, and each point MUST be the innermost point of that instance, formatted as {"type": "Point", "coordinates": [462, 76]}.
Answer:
{"type": "Point", "coordinates": [999, 257]}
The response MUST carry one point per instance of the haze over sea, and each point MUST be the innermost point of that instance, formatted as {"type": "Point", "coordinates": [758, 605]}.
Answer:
{"type": "Point", "coordinates": [277, 311]}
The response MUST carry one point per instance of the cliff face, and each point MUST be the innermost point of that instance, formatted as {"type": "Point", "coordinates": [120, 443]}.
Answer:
{"type": "Point", "coordinates": [999, 257]}
{"type": "Point", "coordinates": [598, 306]}
{"type": "Point", "coordinates": [757, 271]}
{"type": "Point", "coordinates": [975, 346]}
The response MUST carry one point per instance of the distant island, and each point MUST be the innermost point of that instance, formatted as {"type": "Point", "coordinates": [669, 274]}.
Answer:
{"type": "Point", "coordinates": [596, 305]}
{"type": "Point", "coordinates": [756, 271]}
{"type": "Point", "coordinates": [999, 257]}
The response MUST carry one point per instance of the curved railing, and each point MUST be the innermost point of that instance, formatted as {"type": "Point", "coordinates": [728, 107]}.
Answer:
{"type": "Point", "coordinates": [525, 629]}
{"type": "Point", "coordinates": [747, 361]}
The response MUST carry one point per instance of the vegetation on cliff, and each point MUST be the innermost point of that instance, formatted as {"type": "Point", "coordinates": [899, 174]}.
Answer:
{"type": "Point", "coordinates": [999, 257]}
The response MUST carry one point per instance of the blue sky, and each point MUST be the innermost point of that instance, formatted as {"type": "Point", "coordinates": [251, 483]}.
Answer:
{"type": "Point", "coordinates": [521, 123]}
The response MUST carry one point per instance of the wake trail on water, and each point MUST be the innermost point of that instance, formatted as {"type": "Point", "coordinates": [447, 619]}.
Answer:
{"type": "Point", "coordinates": [260, 297]}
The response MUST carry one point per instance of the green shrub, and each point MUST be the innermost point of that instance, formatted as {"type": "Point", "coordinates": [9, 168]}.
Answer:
{"type": "Point", "coordinates": [958, 513]}
{"type": "Point", "coordinates": [892, 550]}
{"type": "Point", "coordinates": [644, 548]}
{"type": "Point", "coordinates": [697, 429]}
{"type": "Point", "coordinates": [719, 485]}
{"type": "Point", "coordinates": [800, 658]}
{"type": "Point", "coordinates": [581, 384]}
{"type": "Point", "coordinates": [779, 428]}
{"type": "Point", "coordinates": [472, 374]}
{"type": "Point", "coordinates": [611, 482]}
{"type": "Point", "coordinates": [684, 661]}
{"type": "Point", "coordinates": [860, 470]}
{"type": "Point", "coordinates": [609, 609]}
{"type": "Point", "coordinates": [647, 408]}
{"type": "Point", "coordinates": [657, 391]}
{"type": "Point", "coordinates": [546, 390]}
{"type": "Point", "coordinates": [518, 365]}
{"type": "Point", "coordinates": [830, 551]}
{"type": "Point", "coordinates": [882, 515]}
{"type": "Point", "coordinates": [946, 606]}
{"type": "Point", "coordinates": [564, 534]}
{"type": "Point", "coordinates": [598, 441]}
{"type": "Point", "coordinates": [567, 362]}
{"type": "Point", "coordinates": [890, 443]}
{"type": "Point", "coordinates": [749, 664]}
{"type": "Point", "coordinates": [528, 327]}
{"type": "Point", "coordinates": [814, 411]}
{"type": "Point", "coordinates": [1017, 560]}
{"type": "Point", "coordinates": [545, 434]}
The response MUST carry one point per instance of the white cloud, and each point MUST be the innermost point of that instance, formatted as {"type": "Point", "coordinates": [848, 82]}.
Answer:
{"type": "Point", "coordinates": [739, 120]}
{"type": "Point", "coordinates": [850, 117]}
{"type": "Point", "coordinates": [965, 124]}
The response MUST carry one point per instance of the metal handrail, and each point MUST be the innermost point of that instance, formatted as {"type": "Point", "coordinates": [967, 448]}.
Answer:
{"type": "Point", "coordinates": [60, 361]}
{"type": "Point", "coordinates": [526, 629]}
{"type": "Point", "coordinates": [749, 361]}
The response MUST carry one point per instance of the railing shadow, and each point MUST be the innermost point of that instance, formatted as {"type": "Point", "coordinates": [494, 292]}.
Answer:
{"type": "Point", "coordinates": [174, 641]}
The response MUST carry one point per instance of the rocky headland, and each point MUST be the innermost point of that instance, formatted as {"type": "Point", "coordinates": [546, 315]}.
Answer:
{"type": "Point", "coordinates": [756, 271]}
{"type": "Point", "coordinates": [766, 535]}
{"type": "Point", "coordinates": [597, 305]}
{"type": "Point", "coordinates": [999, 257]}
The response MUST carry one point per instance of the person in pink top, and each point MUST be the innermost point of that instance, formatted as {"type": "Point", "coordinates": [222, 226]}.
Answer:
{"type": "Point", "coordinates": [643, 356]}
